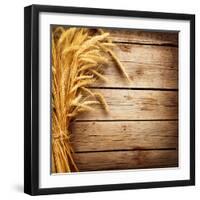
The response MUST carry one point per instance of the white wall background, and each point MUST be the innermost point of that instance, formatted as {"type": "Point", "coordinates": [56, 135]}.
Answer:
{"type": "Point", "coordinates": [11, 98]}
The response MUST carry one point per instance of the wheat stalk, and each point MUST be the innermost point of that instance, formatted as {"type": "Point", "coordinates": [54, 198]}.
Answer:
{"type": "Point", "coordinates": [77, 61]}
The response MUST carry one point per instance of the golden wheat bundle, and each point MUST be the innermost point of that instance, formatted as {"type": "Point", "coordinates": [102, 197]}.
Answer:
{"type": "Point", "coordinates": [78, 59]}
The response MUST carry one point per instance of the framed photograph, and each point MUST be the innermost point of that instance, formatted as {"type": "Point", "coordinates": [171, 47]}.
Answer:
{"type": "Point", "coordinates": [109, 99]}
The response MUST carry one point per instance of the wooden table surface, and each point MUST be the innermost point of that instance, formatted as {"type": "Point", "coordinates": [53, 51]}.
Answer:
{"type": "Point", "coordinates": [141, 128]}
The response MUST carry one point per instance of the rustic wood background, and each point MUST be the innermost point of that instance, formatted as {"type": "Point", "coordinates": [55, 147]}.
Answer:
{"type": "Point", "coordinates": [141, 129]}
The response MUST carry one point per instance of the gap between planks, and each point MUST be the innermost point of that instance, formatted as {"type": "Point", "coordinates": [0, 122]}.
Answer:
{"type": "Point", "coordinates": [146, 44]}
{"type": "Point", "coordinates": [133, 88]}
{"type": "Point", "coordinates": [121, 150]}
{"type": "Point", "coordinates": [124, 120]}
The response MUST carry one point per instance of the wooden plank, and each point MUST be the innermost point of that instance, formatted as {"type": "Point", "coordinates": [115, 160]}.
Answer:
{"type": "Point", "coordinates": [135, 105]}
{"type": "Point", "coordinates": [141, 75]}
{"type": "Point", "coordinates": [124, 135]}
{"type": "Point", "coordinates": [139, 36]}
{"type": "Point", "coordinates": [143, 37]}
{"type": "Point", "coordinates": [126, 160]}
{"type": "Point", "coordinates": [165, 57]}
{"type": "Point", "coordinates": [147, 66]}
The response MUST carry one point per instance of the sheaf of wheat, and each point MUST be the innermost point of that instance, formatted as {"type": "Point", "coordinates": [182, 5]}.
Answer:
{"type": "Point", "coordinates": [78, 60]}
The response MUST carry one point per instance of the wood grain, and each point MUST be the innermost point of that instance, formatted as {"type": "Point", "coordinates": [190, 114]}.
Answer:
{"type": "Point", "coordinates": [143, 37]}
{"type": "Point", "coordinates": [135, 105]}
{"type": "Point", "coordinates": [124, 135]}
{"type": "Point", "coordinates": [126, 160]}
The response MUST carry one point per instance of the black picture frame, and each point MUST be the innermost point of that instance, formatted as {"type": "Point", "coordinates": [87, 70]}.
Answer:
{"type": "Point", "coordinates": [31, 99]}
